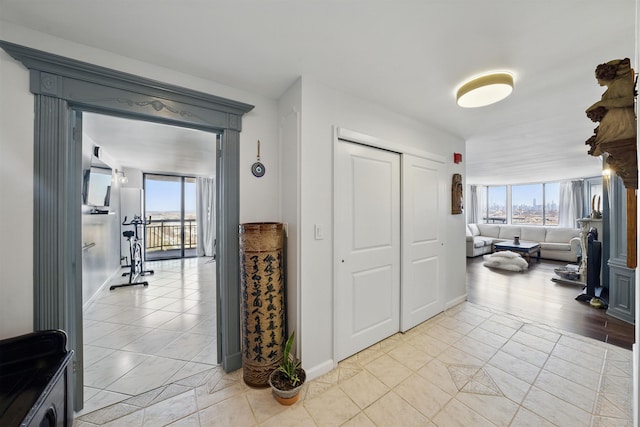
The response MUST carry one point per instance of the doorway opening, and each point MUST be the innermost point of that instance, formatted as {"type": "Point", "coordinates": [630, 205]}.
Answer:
{"type": "Point", "coordinates": [170, 206]}
{"type": "Point", "coordinates": [61, 85]}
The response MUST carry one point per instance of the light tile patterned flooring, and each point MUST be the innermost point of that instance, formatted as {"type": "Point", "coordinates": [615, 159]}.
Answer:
{"type": "Point", "coordinates": [469, 366]}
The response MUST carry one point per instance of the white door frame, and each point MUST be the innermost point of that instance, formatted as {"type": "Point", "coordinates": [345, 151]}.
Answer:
{"type": "Point", "coordinates": [342, 134]}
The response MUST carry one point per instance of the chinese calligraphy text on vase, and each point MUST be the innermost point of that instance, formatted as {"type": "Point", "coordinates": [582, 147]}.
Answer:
{"type": "Point", "coordinates": [262, 300]}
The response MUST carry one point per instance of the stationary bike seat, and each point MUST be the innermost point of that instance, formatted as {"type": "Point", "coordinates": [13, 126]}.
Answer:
{"type": "Point", "coordinates": [128, 234]}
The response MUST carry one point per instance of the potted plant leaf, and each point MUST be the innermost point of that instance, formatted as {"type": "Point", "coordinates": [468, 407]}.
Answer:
{"type": "Point", "coordinates": [287, 380]}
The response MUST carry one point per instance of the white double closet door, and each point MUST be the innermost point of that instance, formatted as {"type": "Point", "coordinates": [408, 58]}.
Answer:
{"type": "Point", "coordinates": [388, 244]}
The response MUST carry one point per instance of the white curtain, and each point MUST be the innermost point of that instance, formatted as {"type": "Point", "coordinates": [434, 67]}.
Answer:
{"type": "Point", "coordinates": [206, 216]}
{"type": "Point", "coordinates": [472, 209]}
{"type": "Point", "coordinates": [571, 203]}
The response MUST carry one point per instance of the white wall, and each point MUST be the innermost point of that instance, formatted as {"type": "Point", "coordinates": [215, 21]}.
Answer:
{"type": "Point", "coordinates": [323, 108]}
{"type": "Point", "coordinates": [289, 114]}
{"type": "Point", "coordinates": [16, 199]}
{"type": "Point", "coordinates": [258, 197]}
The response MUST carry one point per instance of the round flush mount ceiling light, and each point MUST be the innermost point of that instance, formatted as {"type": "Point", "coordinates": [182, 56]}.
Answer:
{"type": "Point", "coordinates": [484, 90]}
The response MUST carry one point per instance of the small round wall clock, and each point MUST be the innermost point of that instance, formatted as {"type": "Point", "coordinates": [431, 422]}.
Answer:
{"type": "Point", "coordinates": [258, 169]}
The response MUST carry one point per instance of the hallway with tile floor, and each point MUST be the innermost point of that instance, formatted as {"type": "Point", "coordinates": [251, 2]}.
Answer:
{"type": "Point", "coordinates": [139, 338]}
{"type": "Point", "coordinates": [468, 366]}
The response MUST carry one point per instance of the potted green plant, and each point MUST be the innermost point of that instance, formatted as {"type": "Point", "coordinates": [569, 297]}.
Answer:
{"type": "Point", "coordinates": [287, 380]}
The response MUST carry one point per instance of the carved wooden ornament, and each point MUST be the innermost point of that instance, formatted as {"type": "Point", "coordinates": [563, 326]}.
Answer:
{"type": "Point", "coordinates": [456, 194]}
{"type": "Point", "coordinates": [616, 136]}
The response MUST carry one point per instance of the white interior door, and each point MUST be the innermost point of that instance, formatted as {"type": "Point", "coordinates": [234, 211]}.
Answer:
{"type": "Point", "coordinates": [423, 209]}
{"type": "Point", "coordinates": [367, 236]}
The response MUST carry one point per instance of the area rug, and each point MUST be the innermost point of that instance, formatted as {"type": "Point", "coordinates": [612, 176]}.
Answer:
{"type": "Point", "coordinates": [506, 260]}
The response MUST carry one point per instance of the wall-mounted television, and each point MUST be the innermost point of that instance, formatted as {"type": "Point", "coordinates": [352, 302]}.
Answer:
{"type": "Point", "coordinates": [97, 186]}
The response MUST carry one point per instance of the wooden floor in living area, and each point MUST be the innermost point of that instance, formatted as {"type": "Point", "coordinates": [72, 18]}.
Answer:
{"type": "Point", "coordinates": [534, 296]}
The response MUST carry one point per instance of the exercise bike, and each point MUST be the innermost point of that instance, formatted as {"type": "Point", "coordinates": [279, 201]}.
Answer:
{"type": "Point", "coordinates": [135, 252]}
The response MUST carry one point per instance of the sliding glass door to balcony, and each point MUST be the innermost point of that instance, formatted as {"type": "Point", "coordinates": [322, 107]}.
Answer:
{"type": "Point", "coordinates": [170, 201]}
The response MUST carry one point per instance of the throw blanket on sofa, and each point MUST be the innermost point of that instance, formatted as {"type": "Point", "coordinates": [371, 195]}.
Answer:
{"type": "Point", "coordinates": [506, 260]}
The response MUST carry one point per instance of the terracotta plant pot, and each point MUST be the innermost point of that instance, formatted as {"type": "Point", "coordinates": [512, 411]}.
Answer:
{"type": "Point", "coordinates": [290, 396]}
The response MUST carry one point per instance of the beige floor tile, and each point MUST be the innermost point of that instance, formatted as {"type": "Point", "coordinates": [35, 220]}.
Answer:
{"type": "Point", "coordinates": [430, 345]}
{"type": "Point", "coordinates": [342, 407]}
{"type": "Point", "coordinates": [391, 409]}
{"type": "Point", "coordinates": [619, 368]}
{"type": "Point", "coordinates": [590, 347]}
{"type": "Point", "coordinates": [533, 341]}
{"type": "Point", "coordinates": [475, 348]}
{"type": "Point", "coordinates": [526, 353]}
{"type": "Point", "coordinates": [185, 347]}
{"type": "Point", "coordinates": [568, 370]}
{"type": "Point", "coordinates": [263, 404]}
{"type": "Point", "coordinates": [191, 421]}
{"type": "Point", "coordinates": [423, 395]}
{"type": "Point", "coordinates": [158, 303]}
{"type": "Point", "coordinates": [498, 328]}
{"type": "Point", "coordinates": [293, 416]}
{"type": "Point", "coordinates": [156, 319]}
{"type": "Point", "coordinates": [508, 320]}
{"type": "Point", "coordinates": [170, 410]}
{"type": "Point", "coordinates": [457, 325]}
{"type": "Point", "coordinates": [615, 406]}
{"type": "Point", "coordinates": [388, 370]}
{"type": "Point", "coordinates": [437, 373]}
{"type": "Point", "coordinates": [455, 356]}
{"type": "Point", "coordinates": [580, 359]}
{"type": "Point", "coordinates": [497, 409]}
{"type": "Point", "coordinates": [456, 414]}
{"type": "Point", "coordinates": [152, 342]}
{"type": "Point", "coordinates": [153, 373]}
{"type": "Point", "coordinates": [364, 389]}
{"type": "Point", "coordinates": [104, 372]}
{"type": "Point", "coordinates": [360, 420]}
{"type": "Point", "coordinates": [206, 397]}
{"type": "Point", "coordinates": [555, 410]}
{"type": "Point", "coordinates": [515, 366]}
{"type": "Point", "coordinates": [94, 330]}
{"type": "Point", "coordinates": [410, 356]}
{"type": "Point", "coordinates": [541, 331]}
{"type": "Point", "coordinates": [234, 411]}
{"type": "Point", "coordinates": [526, 418]}
{"type": "Point", "coordinates": [443, 334]}
{"type": "Point", "coordinates": [487, 337]}
{"type": "Point", "coordinates": [135, 419]}
{"type": "Point", "coordinates": [513, 388]}
{"type": "Point", "coordinates": [183, 322]}
{"type": "Point", "coordinates": [369, 354]}
{"type": "Point", "coordinates": [569, 391]}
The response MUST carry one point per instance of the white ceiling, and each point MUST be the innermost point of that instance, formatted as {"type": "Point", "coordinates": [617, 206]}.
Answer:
{"type": "Point", "coordinates": [408, 55]}
{"type": "Point", "coordinates": [152, 147]}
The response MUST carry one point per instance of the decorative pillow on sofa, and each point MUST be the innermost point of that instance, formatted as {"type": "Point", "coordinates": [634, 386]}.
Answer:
{"type": "Point", "coordinates": [475, 231]}
{"type": "Point", "coordinates": [506, 260]}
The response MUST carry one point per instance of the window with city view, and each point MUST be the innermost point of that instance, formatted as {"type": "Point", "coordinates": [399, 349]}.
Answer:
{"type": "Point", "coordinates": [551, 202]}
{"type": "Point", "coordinates": [496, 204]}
{"type": "Point", "coordinates": [527, 204]}
{"type": "Point", "coordinates": [533, 204]}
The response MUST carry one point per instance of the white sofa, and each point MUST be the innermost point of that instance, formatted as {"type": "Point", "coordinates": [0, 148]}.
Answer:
{"type": "Point", "coordinates": [558, 243]}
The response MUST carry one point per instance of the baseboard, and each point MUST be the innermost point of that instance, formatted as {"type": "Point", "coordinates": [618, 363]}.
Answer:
{"type": "Point", "coordinates": [101, 288]}
{"type": "Point", "coordinates": [455, 301]}
{"type": "Point", "coordinates": [320, 369]}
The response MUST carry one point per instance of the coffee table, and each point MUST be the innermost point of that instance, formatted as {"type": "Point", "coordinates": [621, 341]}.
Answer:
{"type": "Point", "coordinates": [524, 248]}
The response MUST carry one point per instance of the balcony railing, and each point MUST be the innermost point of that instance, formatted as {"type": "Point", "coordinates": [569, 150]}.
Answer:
{"type": "Point", "coordinates": [166, 234]}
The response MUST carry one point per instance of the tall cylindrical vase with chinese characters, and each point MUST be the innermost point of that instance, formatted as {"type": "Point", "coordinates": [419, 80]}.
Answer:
{"type": "Point", "coordinates": [262, 300]}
